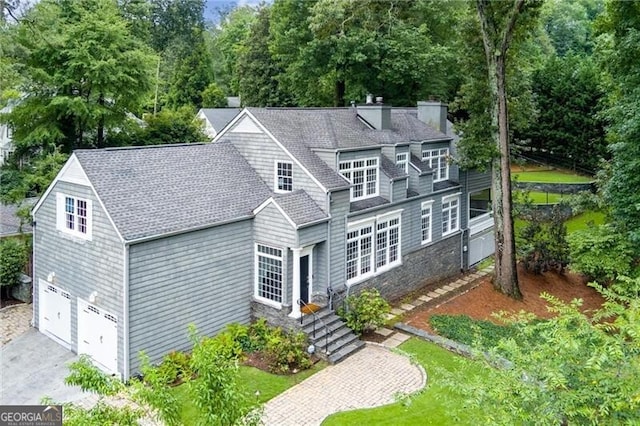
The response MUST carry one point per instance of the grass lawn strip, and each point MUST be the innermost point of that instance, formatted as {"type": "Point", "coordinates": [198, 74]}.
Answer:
{"type": "Point", "coordinates": [550, 176]}
{"type": "Point", "coordinates": [437, 404]}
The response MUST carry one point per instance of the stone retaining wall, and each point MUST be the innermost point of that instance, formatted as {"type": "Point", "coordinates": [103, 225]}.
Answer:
{"type": "Point", "coordinates": [558, 188]}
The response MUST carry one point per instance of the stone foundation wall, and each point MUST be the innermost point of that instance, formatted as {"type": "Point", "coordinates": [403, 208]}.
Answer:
{"type": "Point", "coordinates": [419, 268]}
{"type": "Point", "coordinates": [275, 317]}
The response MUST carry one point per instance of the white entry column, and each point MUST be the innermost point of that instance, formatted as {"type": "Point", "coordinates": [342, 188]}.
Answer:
{"type": "Point", "coordinates": [295, 309]}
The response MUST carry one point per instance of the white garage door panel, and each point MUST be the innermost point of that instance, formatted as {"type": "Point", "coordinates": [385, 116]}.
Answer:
{"type": "Point", "coordinates": [98, 335]}
{"type": "Point", "coordinates": [55, 311]}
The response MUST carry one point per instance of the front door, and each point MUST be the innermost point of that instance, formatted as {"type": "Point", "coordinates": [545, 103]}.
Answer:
{"type": "Point", "coordinates": [304, 278]}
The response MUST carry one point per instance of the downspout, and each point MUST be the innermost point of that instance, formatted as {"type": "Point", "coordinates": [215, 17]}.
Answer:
{"type": "Point", "coordinates": [33, 272]}
{"type": "Point", "coordinates": [466, 228]}
{"type": "Point", "coordinates": [125, 313]}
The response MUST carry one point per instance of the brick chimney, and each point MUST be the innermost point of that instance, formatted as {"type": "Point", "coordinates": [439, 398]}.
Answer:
{"type": "Point", "coordinates": [434, 113]}
{"type": "Point", "coordinates": [376, 114]}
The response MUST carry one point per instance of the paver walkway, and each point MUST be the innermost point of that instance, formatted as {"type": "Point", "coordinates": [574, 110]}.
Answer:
{"type": "Point", "coordinates": [14, 320]}
{"type": "Point", "coordinates": [371, 377]}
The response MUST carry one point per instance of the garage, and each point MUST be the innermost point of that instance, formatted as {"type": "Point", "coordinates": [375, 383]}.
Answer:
{"type": "Point", "coordinates": [98, 335]}
{"type": "Point", "coordinates": [55, 311]}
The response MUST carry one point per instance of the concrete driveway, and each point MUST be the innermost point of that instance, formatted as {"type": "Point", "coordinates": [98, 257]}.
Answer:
{"type": "Point", "coordinates": [33, 366]}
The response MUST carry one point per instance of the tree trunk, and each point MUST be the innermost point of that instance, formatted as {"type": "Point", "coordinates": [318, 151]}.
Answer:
{"type": "Point", "coordinates": [100, 136]}
{"type": "Point", "coordinates": [339, 94]}
{"type": "Point", "coordinates": [506, 272]}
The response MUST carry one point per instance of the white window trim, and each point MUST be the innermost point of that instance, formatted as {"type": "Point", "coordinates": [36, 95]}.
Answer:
{"type": "Point", "coordinates": [256, 262]}
{"type": "Point", "coordinates": [448, 199]}
{"type": "Point", "coordinates": [436, 175]}
{"type": "Point", "coordinates": [275, 177]}
{"type": "Point", "coordinates": [403, 163]}
{"type": "Point", "coordinates": [364, 183]}
{"type": "Point", "coordinates": [61, 224]}
{"type": "Point", "coordinates": [373, 222]}
{"type": "Point", "coordinates": [429, 205]}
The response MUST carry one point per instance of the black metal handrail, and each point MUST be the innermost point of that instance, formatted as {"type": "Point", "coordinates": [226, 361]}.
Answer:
{"type": "Point", "coordinates": [331, 293]}
{"type": "Point", "coordinates": [302, 304]}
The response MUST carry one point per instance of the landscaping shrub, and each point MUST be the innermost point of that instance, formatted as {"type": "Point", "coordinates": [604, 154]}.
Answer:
{"type": "Point", "coordinates": [464, 329]}
{"type": "Point", "coordinates": [542, 242]}
{"type": "Point", "coordinates": [365, 311]}
{"type": "Point", "coordinates": [287, 351]}
{"type": "Point", "coordinates": [259, 333]}
{"type": "Point", "coordinates": [13, 257]}
{"type": "Point", "coordinates": [600, 253]}
{"type": "Point", "coordinates": [175, 368]}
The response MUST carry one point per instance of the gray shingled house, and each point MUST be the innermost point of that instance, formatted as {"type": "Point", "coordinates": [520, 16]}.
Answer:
{"type": "Point", "coordinates": [284, 207]}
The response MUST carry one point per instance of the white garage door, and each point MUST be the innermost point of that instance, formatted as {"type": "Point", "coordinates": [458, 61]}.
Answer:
{"type": "Point", "coordinates": [54, 311]}
{"type": "Point", "coordinates": [481, 247]}
{"type": "Point", "coordinates": [98, 335]}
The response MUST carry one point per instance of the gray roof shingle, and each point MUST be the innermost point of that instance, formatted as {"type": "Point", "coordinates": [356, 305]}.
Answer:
{"type": "Point", "coordinates": [150, 191]}
{"type": "Point", "coordinates": [421, 166]}
{"type": "Point", "coordinates": [220, 117]}
{"type": "Point", "coordinates": [300, 129]}
{"type": "Point", "coordinates": [300, 207]}
{"type": "Point", "coordinates": [391, 170]}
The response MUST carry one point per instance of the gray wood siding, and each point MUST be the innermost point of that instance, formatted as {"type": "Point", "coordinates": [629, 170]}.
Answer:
{"type": "Point", "coordinates": [80, 266]}
{"type": "Point", "coordinates": [203, 277]}
{"type": "Point", "coordinates": [340, 203]}
{"type": "Point", "coordinates": [328, 157]}
{"type": "Point", "coordinates": [261, 153]}
{"type": "Point", "coordinates": [313, 234]}
{"type": "Point", "coordinates": [385, 184]}
{"type": "Point", "coordinates": [320, 283]}
{"type": "Point", "coordinates": [399, 189]}
{"type": "Point", "coordinates": [271, 228]}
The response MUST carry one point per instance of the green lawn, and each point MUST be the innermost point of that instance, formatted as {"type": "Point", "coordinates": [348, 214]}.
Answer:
{"type": "Point", "coordinates": [438, 404]}
{"type": "Point", "coordinates": [545, 197]}
{"type": "Point", "coordinates": [584, 220]}
{"type": "Point", "coordinates": [251, 379]}
{"type": "Point", "coordinates": [552, 176]}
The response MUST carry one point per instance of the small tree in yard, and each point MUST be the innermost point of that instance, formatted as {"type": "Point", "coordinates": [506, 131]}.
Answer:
{"type": "Point", "coordinates": [365, 311]}
{"type": "Point", "coordinates": [577, 370]}
{"type": "Point", "coordinates": [542, 243]}
{"type": "Point", "coordinates": [13, 257]}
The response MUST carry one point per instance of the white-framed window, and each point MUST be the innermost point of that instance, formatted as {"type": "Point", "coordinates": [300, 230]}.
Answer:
{"type": "Point", "coordinates": [437, 159]}
{"type": "Point", "coordinates": [269, 274]}
{"type": "Point", "coordinates": [284, 176]}
{"type": "Point", "coordinates": [373, 246]}
{"type": "Point", "coordinates": [450, 214]}
{"type": "Point", "coordinates": [387, 242]}
{"type": "Point", "coordinates": [426, 221]}
{"type": "Point", "coordinates": [359, 251]}
{"type": "Point", "coordinates": [74, 215]}
{"type": "Point", "coordinates": [363, 175]}
{"type": "Point", "coordinates": [402, 161]}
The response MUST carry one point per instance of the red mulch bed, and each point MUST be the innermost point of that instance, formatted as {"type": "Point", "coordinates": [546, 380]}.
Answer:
{"type": "Point", "coordinates": [482, 301]}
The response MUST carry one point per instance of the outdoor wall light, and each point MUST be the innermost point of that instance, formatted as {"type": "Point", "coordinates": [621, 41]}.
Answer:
{"type": "Point", "coordinates": [93, 296]}
{"type": "Point", "coordinates": [51, 277]}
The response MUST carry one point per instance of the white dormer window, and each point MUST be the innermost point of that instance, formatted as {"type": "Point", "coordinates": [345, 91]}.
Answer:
{"type": "Point", "coordinates": [284, 176]}
{"type": "Point", "coordinates": [74, 215]}
{"type": "Point", "coordinates": [402, 161]}
{"type": "Point", "coordinates": [437, 160]}
{"type": "Point", "coordinates": [363, 175]}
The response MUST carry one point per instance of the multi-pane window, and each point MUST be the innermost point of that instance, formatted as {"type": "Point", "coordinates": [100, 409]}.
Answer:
{"type": "Point", "coordinates": [359, 254]}
{"type": "Point", "coordinates": [269, 274]}
{"type": "Point", "coordinates": [437, 159]}
{"type": "Point", "coordinates": [426, 221]}
{"type": "Point", "coordinates": [73, 216]}
{"type": "Point", "coordinates": [373, 246]}
{"type": "Point", "coordinates": [363, 175]}
{"type": "Point", "coordinates": [450, 214]}
{"type": "Point", "coordinates": [387, 242]}
{"type": "Point", "coordinates": [284, 176]}
{"type": "Point", "coordinates": [402, 161]}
